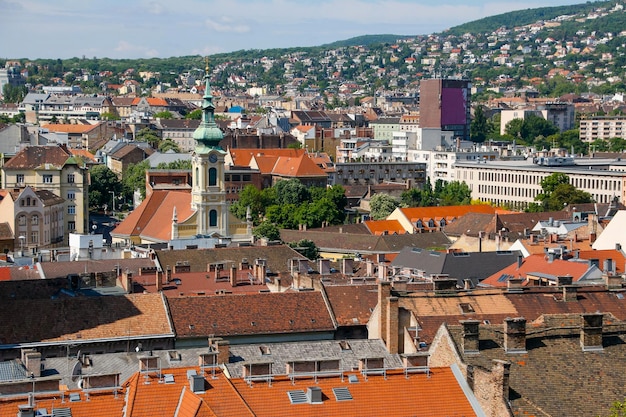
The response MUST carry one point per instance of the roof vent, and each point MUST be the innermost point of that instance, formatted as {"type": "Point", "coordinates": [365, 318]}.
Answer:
{"type": "Point", "coordinates": [342, 394]}
{"type": "Point", "coordinates": [297, 397]}
{"type": "Point", "coordinates": [314, 395]}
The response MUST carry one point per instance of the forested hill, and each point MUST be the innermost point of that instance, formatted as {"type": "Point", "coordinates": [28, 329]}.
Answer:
{"type": "Point", "coordinates": [525, 17]}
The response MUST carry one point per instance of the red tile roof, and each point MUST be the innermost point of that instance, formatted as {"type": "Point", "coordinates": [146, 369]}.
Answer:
{"type": "Point", "coordinates": [301, 166]}
{"type": "Point", "coordinates": [250, 314]}
{"type": "Point", "coordinates": [379, 227]}
{"type": "Point", "coordinates": [69, 128]}
{"type": "Point", "coordinates": [243, 156]}
{"type": "Point", "coordinates": [537, 264]}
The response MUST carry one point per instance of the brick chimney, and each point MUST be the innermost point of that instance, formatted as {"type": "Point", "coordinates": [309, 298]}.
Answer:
{"type": "Point", "coordinates": [382, 272]}
{"type": "Point", "coordinates": [168, 274]}
{"type": "Point", "coordinates": [220, 346]}
{"type": "Point", "coordinates": [500, 376]}
{"type": "Point", "coordinates": [470, 336]}
{"type": "Point", "coordinates": [159, 280]}
{"type": "Point", "coordinates": [32, 362]}
{"type": "Point", "coordinates": [369, 268]}
{"type": "Point", "coordinates": [515, 285]}
{"type": "Point", "coordinates": [515, 335]}
{"type": "Point", "coordinates": [564, 280]}
{"type": "Point", "coordinates": [384, 292]}
{"type": "Point", "coordinates": [613, 282]}
{"type": "Point", "coordinates": [233, 276]}
{"type": "Point", "coordinates": [127, 279]}
{"type": "Point", "coordinates": [260, 273]}
{"type": "Point", "coordinates": [392, 325]}
{"type": "Point", "coordinates": [591, 332]}
{"type": "Point", "coordinates": [444, 286]}
{"type": "Point", "coordinates": [570, 293]}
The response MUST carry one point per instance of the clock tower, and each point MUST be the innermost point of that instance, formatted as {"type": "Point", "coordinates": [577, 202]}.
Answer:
{"type": "Point", "coordinates": [208, 195]}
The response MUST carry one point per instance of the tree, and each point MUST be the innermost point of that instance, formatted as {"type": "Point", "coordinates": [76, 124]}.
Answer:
{"type": "Point", "coordinates": [291, 192]}
{"type": "Point", "coordinates": [134, 178]}
{"type": "Point", "coordinates": [253, 198]}
{"type": "Point", "coordinates": [13, 93]}
{"type": "Point", "coordinates": [557, 193]}
{"type": "Point", "coordinates": [109, 116]}
{"type": "Point", "coordinates": [266, 230]}
{"type": "Point", "coordinates": [411, 198]}
{"type": "Point", "coordinates": [618, 409]}
{"type": "Point", "coordinates": [148, 135]}
{"type": "Point", "coordinates": [381, 206]}
{"type": "Point", "coordinates": [103, 180]}
{"type": "Point", "coordinates": [194, 115]}
{"type": "Point", "coordinates": [479, 128]}
{"type": "Point", "coordinates": [534, 126]}
{"type": "Point", "coordinates": [163, 115]}
{"type": "Point", "coordinates": [167, 145]}
{"type": "Point", "coordinates": [455, 193]}
{"type": "Point", "coordinates": [307, 248]}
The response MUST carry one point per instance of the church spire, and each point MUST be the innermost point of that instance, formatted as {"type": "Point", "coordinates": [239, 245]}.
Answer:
{"type": "Point", "coordinates": [208, 134]}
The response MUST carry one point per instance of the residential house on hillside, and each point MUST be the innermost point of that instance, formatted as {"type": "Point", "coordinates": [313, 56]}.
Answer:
{"type": "Point", "coordinates": [56, 169]}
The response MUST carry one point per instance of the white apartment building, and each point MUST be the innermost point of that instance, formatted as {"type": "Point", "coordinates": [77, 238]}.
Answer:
{"type": "Point", "coordinates": [517, 183]}
{"type": "Point", "coordinates": [602, 127]}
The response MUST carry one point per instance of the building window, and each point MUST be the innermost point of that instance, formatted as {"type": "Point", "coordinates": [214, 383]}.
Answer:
{"type": "Point", "coordinates": [35, 220]}
{"type": "Point", "coordinates": [21, 220]}
{"type": "Point", "coordinates": [34, 238]}
{"type": "Point", "coordinates": [70, 178]}
{"type": "Point", "coordinates": [71, 226]}
{"type": "Point", "coordinates": [71, 195]}
{"type": "Point", "coordinates": [212, 176]}
{"type": "Point", "coordinates": [213, 218]}
{"type": "Point", "coordinates": [47, 179]}
{"type": "Point", "coordinates": [71, 209]}
{"type": "Point", "coordinates": [19, 179]}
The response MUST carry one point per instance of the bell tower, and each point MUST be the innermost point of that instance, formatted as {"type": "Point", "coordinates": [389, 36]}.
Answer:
{"type": "Point", "coordinates": [208, 195]}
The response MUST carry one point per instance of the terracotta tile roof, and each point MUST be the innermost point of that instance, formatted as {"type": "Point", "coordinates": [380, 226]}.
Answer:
{"type": "Point", "coordinates": [84, 318]}
{"type": "Point", "coordinates": [62, 269]}
{"type": "Point", "coordinates": [69, 128]}
{"type": "Point", "coordinates": [415, 213]}
{"type": "Point", "coordinates": [154, 102]}
{"type": "Point", "coordinates": [243, 156]}
{"type": "Point", "coordinates": [537, 264]}
{"type": "Point", "coordinates": [5, 231]}
{"type": "Point", "coordinates": [153, 218]}
{"type": "Point", "coordinates": [265, 164]}
{"type": "Point", "coordinates": [379, 227]}
{"type": "Point", "coordinates": [301, 166]}
{"type": "Point", "coordinates": [250, 314]}
{"type": "Point", "coordinates": [352, 304]}
{"type": "Point", "coordinates": [33, 157]}
{"type": "Point", "coordinates": [200, 283]}
{"type": "Point", "coordinates": [99, 405]}
{"type": "Point", "coordinates": [84, 153]}
{"type": "Point", "coordinates": [602, 255]}
{"type": "Point", "coordinates": [395, 394]}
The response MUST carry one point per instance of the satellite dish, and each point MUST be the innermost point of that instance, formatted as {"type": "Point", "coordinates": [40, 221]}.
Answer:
{"type": "Point", "coordinates": [77, 370]}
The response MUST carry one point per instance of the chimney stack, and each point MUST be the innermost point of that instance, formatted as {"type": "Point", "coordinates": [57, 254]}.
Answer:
{"type": "Point", "coordinates": [324, 266]}
{"type": "Point", "coordinates": [384, 292]}
{"type": "Point", "coordinates": [515, 285]}
{"type": "Point", "coordinates": [347, 266]}
{"type": "Point", "coordinates": [32, 362]}
{"type": "Point", "coordinates": [591, 332]}
{"type": "Point", "coordinates": [382, 272]}
{"type": "Point", "coordinates": [570, 293]}
{"type": "Point", "coordinates": [515, 335]}
{"type": "Point", "coordinates": [369, 268]}
{"type": "Point", "coordinates": [392, 325]}
{"type": "Point", "coordinates": [233, 275]}
{"type": "Point", "coordinates": [470, 336]}
{"type": "Point", "coordinates": [444, 286]}
{"type": "Point", "coordinates": [563, 280]}
{"type": "Point", "coordinates": [159, 280]}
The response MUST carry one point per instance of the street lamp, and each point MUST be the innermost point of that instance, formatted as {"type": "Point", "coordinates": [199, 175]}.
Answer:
{"type": "Point", "coordinates": [113, 206]}
{"type": "Point", "coordinates": [22, 238]}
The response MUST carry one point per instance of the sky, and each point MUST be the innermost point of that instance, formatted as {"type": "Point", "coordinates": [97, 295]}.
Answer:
{"type": "Point", "coordinates": [165, 28]}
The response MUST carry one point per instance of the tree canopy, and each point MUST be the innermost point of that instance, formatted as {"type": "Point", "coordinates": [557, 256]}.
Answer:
{"type": "Point", "coordinates": [382, 205]}
{"type": "Point", "coordinates": [103, 181]}
{"type": "Point", "coordinates": [557, 193]}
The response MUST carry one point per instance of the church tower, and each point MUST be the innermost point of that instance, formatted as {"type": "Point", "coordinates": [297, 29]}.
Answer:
{"type": "Point", "coordinates": [208, 195]}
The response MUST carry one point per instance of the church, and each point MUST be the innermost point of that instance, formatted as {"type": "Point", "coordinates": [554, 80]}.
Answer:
{"type": "Point", "coordinates": [180, 218]}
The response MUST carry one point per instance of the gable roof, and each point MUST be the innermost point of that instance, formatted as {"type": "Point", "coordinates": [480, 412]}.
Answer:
{"type": "Point", "coordinates": [415, 213]}
{"type": "Point", "coordinates": [242, 156]}
{"type": "Point", "coordinates": [250, 314]}
{"type": "Point", "coordinates": [380, 227]}
{"type": "Point", "coordinates": [352, 304]}
{"type": "Point", "coordinates": [539, 265]}
{"type": "Point", "coordinates": [152, 220]}
{"type": "Point", "coordinates": [34, 157]}
{"type": "Point", "coordinates": [299, 167]}
{"type": "Point", "coordinates": [70, 128]}
{"type": "Point", "coordinates": [85, 318]}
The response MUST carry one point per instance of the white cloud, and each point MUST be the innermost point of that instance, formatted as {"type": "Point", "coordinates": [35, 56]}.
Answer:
{"type": "Point", "coordinates": [226, 25]}
{"type": "Point", "coordinates": [154, 7]}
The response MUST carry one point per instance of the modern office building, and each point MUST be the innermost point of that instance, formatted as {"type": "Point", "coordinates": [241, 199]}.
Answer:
{"type": "Point", "coordinates": [445, 105]}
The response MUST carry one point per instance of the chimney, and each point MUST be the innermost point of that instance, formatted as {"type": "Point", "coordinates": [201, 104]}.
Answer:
{"type": "Point", "coordinates": [570, 293]}
{"type": "Point", "coordinates": [467, 284]}
{"type": "Point", "coordinates": [564, 280]}
{"type": "Point", "coordinates": [591, 332]}
{"type": "Point", "coordinates": [159, 280]}
{"type": "Point", "coordinates": [515, 284]}
{"type": "Point", "coordinates": [127, 279]}
{"type": "Point", "coordinates": [296, 279]}
{"type": "Point", "coordinates": [324, 266]}
{"type": "Point", "coordinates": [618, 246]}
{"type": "Point", "coordinates": [470, 336]}
{"type": "Point", "coordinates": [32, 362]}
{"type": "Point", "coordinates": [222, 348]}
{"type": "Point", "coordinates": [382, 272]}
{"type": "Point", "coordinates": [261, 271]}
{"type": "Point", "coordinates": [369, 268]}
{"type": "Point", "coordinates": [392, 325]}
{"type": "Point", "coordinates": [233, 276]}
{"type": "Point", "coordinates": [520, 261]}
{"type": "Point", "coordinates": [384, 292]}
{"type": "Point", "coordinates": [500, 375]}
{"type": "Point", "coordinates": [444, 286]}
{"type": "Point", "coordinates": [515, 335]}
{"type": "Point", "coordinates": [314, 395]}
{"type": "Point", "coordinates": [608, 266]}
{"type": "Point", "coordinates": [196, 382]}
{"type": "Point", "coordinates": [168, 274]}
{"type": "Point", "coordinates": [613, 282]}
{"type": "Point", "coordinates": [347, 266]}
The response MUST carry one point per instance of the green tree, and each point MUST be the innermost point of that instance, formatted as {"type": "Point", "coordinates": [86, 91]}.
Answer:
{"type": "Point", "coordinates": [148, 135]}
{"type": "Point", "coordinates": [307, 248]}
{"type": "Point", "coordinates": [534, 126]}
{"type": "Point", "coordinates": [103, 181]}
{"type": "Point", "coordinates": [168, 144]}
{"type": "Point", "coordinates": [109, 116]}
{"type": "Point", "coordinates": [13, 93]}
{"type": "Point", "coordinates": [134, 178]}
{"type": "Point", "coordinates": [291, 191]}
{"type": "Point", "coordinates": [455, 193]}
{"type": "Point", "coordinates": [381, 206]}
{"type": "Point", "coordinates": [514, 128]}
{"type": "Point", "coordinates": [618, 409]}
{"type": "Point", "coordinates": [266, 230]}
{"type": "Point", "coordinates": [194, 115]}
{"type": "Point", "coordinates": [283, 215]}
{"type": "Point", "coordinates": [164, 115]}
{"type": "Point", "coordinates": [253, 198]}
{"type": "Point", "coordinates": [411, 198]}
{"type": "Point", "coordinates": [558, 192]}
{"type": "Point", "coordinates": [479, 128]}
